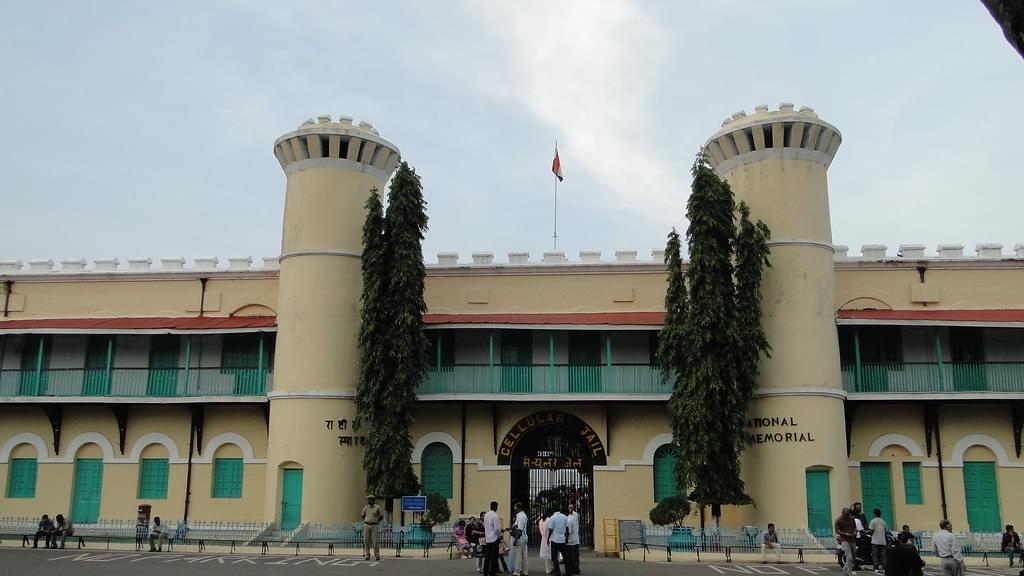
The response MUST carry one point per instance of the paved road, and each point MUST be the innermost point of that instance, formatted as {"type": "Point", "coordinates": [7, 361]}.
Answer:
{"type": "Point", "coordinates": [17, 562]}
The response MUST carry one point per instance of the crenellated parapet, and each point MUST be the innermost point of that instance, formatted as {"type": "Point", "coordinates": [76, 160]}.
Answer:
{"type": "Point", "coordinates": [548, 258]}
{"type": "Point", "coordinates": [784, 133]}
{"type": "Point", "coordinates": [339, 143]}
{"type": "Point", "coordinates": [136, 265]}
{"type": "Point", "coordinates": [912, 252]}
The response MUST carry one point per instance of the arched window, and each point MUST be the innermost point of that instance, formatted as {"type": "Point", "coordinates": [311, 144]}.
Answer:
{"type": "Point", "coordinates": [436, 473]}
{"type": "Point", "coordinates": [665, 471]}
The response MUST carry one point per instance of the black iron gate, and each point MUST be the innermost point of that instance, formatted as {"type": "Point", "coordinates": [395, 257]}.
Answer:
{"type": "Point", "coordinates": [551, 468]}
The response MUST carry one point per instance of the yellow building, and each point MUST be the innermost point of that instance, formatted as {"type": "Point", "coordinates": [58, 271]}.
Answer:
{"type": "Point", "coordinates": [226, 393]}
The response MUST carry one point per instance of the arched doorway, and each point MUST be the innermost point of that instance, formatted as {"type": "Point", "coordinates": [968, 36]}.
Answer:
{"type": "Point", "coordinates": [551, 456]}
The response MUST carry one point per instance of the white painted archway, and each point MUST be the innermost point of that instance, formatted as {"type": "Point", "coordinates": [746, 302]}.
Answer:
{"type": "Point", "coordinates": [248, 455]}
{"type": "Point", "coordinates": [431, 437]}
{"type": "Point", "coordinates": [89, 438]}
{"type": "Point", "coordinates": [961, 447]}
{"type": "Point", "coordinates": [42, 454]}
{"type": "Point", "coordinates": [895, 439]}
{"type": "Point", "coordinates": [164, 440]}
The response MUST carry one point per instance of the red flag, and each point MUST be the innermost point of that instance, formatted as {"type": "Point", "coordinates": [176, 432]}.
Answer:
{"type": "Point", "coordinates": [556, 166]}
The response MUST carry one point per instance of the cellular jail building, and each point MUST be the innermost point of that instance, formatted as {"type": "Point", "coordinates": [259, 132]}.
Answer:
{"type": "Point", "coordinates": [225, 391]}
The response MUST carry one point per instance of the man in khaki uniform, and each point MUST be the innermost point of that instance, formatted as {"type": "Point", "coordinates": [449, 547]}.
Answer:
{"type": "Point", "coordinates": [372, 516]}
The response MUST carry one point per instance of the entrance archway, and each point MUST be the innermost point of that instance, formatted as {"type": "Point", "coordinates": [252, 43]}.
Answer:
{"type": "Point", "coordinates": [551, 457]}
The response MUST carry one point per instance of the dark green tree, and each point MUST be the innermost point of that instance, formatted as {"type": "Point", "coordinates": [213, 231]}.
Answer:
{"type": "Point", "coordinates": [712, 339]}
{"type": "Point", "coordinates": [393, 346]}
{"type": "Point", "coordinates": [372, 343]}
{"type": "Point", "coordinates": [671, 355]}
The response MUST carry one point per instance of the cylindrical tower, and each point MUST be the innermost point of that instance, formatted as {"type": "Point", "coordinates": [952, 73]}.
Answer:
{"type": "Point", "coordinates": [796, 465]}
{"type": "Point", "coordinates": [314, 456]}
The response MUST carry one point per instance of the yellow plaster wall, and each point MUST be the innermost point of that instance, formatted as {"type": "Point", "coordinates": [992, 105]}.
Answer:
{"type": "Point", "coordinates": [119, 500]}
{"type": "Point", "coordinates": [153, 296]}
{"type": "Point", "coordinates": [956, 421]}
{"type": "Point", "coordinates": [542, 291]}
{"type": "Point", "coordinates": [966, 285]}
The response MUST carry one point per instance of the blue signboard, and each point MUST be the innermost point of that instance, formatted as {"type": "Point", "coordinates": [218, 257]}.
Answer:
{"type": "Point", "coordinates": [414, 503]}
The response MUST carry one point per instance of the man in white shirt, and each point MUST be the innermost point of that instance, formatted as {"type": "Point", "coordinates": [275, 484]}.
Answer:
{"type": "Point", "coordinates": [520, 542]}
{"type": "Point", "coordinates": [492, 536]}
{"type": "Point", "coordinates": [572, 542]}
{"type": "Point", "coordinates": [947, 549]}
{"type": "Point", "coordinates": [877, 527]}
{"type": "Point", "coordinates": [556, 535]}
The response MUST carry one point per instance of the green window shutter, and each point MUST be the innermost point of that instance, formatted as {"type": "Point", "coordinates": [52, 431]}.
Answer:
{"type": "Point", "coordinates": [94, 380]}
{"type": "Point", "coordinates": [440, 348]}
{"type": "Point", "coordinates": [912, 482]}
{"type": "Point", "coordinates": [153, 478]}
{"type": "Point", "coordinates": [22, 478]}
{"type": "Point", "coordinates": [164, 355]}
{"type": "Point", "coordinates": [436, 465]}
{"type": "Point", "coordinates": [665, 472]}
{"type": "Point", "coordinates": [240, 351]}
{"type": "Point", "coordinates": [227, 477]}
{"type": "Point", "coordinates": [35, 370]}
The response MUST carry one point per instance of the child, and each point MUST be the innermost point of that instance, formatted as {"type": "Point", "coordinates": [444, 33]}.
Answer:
{"type": "Point", "coordinates": [461, 541]}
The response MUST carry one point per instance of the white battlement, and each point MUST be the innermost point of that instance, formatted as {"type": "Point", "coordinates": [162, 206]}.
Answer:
{"type": "Point", "coordinates": [136, 265]}
{"type": "Point", "coordinates": [547, 258]}
{"type": "Point", "coordinates": [982, 251]}
{"type": "Point", "coordinates": [762, 109]}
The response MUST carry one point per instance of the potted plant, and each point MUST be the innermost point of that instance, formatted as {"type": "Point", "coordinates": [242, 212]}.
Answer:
{"type": "Point", "coordinates": [671, 511]}
{"type": "Point", "coordinates": [421, 535]}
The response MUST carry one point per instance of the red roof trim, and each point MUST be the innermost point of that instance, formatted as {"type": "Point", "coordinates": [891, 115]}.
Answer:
{"type": "Point", "coordinates": [594, 318]}
{"type": "Point", "coordinates": [193, 323]}
{"type": "Point", "coordinates": [935, 315]}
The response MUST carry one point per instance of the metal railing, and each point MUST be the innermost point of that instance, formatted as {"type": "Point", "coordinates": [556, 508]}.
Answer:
{"type": "Point", "coordinates": [916, 377]}
{"type": "Point", "coordinates": [541, 379]}
{"type": "Point", "coordinates": [136, 382]}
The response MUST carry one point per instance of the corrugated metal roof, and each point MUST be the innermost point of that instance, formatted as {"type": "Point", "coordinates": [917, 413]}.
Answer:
{"type": "Point", "coordinates": [576, 319]}
{"type": "Point", "coordinates": [206, 323]}
{"type": "Point", "coordinates": [935, 315]}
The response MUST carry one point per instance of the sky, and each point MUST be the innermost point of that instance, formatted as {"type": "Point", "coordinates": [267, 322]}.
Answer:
{"type": "Point", "coordinates": [146, 128]}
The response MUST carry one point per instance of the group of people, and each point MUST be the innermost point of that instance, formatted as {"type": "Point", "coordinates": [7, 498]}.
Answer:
{"type": "Point", "coordinates": [901, 557]}
{"type": "Point", "coordinates": [864, 542]}
{"type": "Point", "coordinates": [55, 531]}
{"type": "Point", "coordinates": [559, 541]}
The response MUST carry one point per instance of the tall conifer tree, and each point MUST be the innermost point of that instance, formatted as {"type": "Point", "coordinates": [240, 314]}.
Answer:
{"type": "Point", "coordinates": [394, 348]}
{"type": "Point", "coordinates": [712, 339]}
{"type": "Point", "coordinates": [372, 348]}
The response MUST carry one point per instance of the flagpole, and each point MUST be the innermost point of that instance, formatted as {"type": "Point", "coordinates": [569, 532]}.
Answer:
{"type": "Point", "coordinates": [554, 235]}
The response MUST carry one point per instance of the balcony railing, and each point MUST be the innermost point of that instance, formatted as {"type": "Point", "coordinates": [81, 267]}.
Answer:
{"type": "Point", "coordinates": [917, 377]}
{"type": "Point", "coordinates": [136, 382]}
{"type": "Point", "coordinates": [616, 379]}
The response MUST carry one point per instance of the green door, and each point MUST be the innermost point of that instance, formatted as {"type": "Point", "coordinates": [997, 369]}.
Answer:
{"type": "Point", "coordinates": [163, 365]}
{"type": "Point", "coordinates": [584, 361]}
{"type": "Point", "coordinates": [98, 353]}
{"type": "Point", "coordinates": [35, 365]}
{"type": "Point", "coordinates": [85, 504]}
{"type": "Point", "coordinates": [665, 472]}
{"type": "Point", "coordinates": [516, 361]}
{"type": "Point", "coordinates": [876, 490]}
{"type": "Point", "coordinates": [819, 503]}
{"type": "Point", "coordinates": [291, 501]}
{"type": "Point", "coordinates": [982, 497]}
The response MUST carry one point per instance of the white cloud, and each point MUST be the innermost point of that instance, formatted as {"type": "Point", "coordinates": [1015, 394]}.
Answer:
{"type": "Point", "coordinates": [589, 70]}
